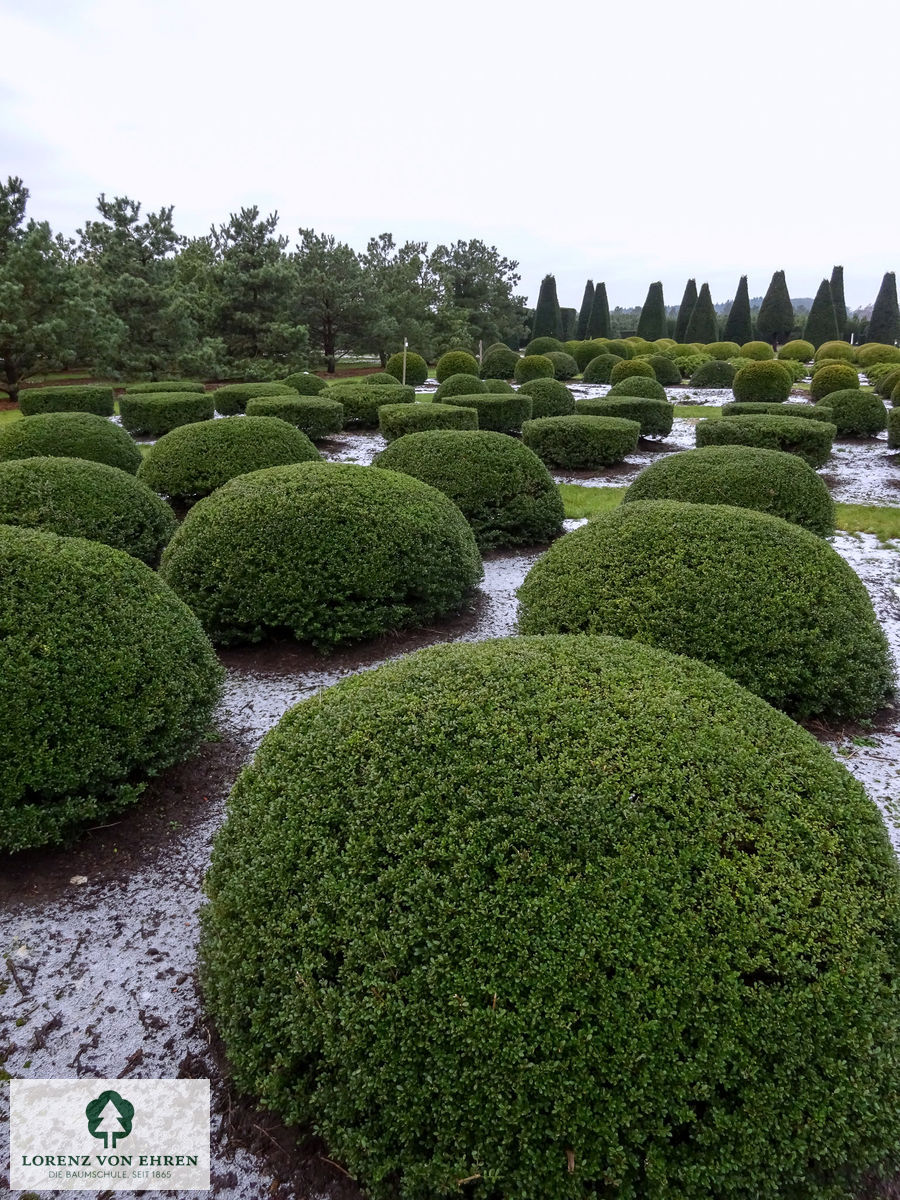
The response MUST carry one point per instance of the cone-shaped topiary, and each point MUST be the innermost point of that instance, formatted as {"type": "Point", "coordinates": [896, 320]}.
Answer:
{"type": "Point", "coordinates": [83, 398]}
{"type": "Point", "coordinates": [503, 489]}
{"type": "Point", "coordinates": [581, 442]}
{"type": "Point", "coordinates": [856, 412]}
{"type": "Point", "coordinates": [884, 323]}
{"type": "Point", "coordinates": [459, 385]}
{"type": "Point", "coordinates": [584, 313]}
{"type": "Point", "coordinates": [231, 398]}
{"type": "Point", "coordinates": [798, 350]}
{"type": "Point", "coordinates": [499, 363]}
{"type": "Point", "coordinates": [156, 413]}
{"type": "Point", "coordinates": [305, 384]}
{"type": "Point", "coordinates": [416, 368]}
{"type": "Point", "coordinates": [397, 420]}
{"type": "Point", "coordinates": [766, 602]}
{"type": "Point", "coordinates": [599, 324]}
{"type": "Point", "coordinates": [533, 366]}
{"type": "Point", "coordinates": [569, 318]}
{"type": "Point", "coordinates": [810, 439]}
{"type": "Point", "coordinates": [600, 369]}
{"type": "Point", "coordinates": [107, 679]}
{"type": "Point", "coordinates": [564, 365]}
{"type": "Point", "coordinates": [637, 385]}
{"type": "Point", "coordinates": [500, 413]}
{"type": "Point", "coordinates": [70, 435]}
{"type": "Point", "coordinates": [454, 362]}
{"type": "Point", "coordinates": [739, 323]}
{"type": "Point", "coordinates": [834, 378]}
{"type": "Point", "coordinates": [837, 296]}
{"type": "Point", "coordinates": [549, 398]}
{"type": "Point", "coordinates": [632, 368]}
{"type": "Point", "coordinates": [766, 381]}
{"type": "Point", "coordinates": [652, 321]}
{"type": "Point", "coordinates": [315, 416]}
{"type": "Point", "coordinates": [654, 416]}
{"type": "Point", "coordinates": [547, 317]}
{"type": "Point", "coordinates": [775, 319]}
{"type": "Point", "coordinates": [688, 301]}
{"type": "Point", "coordinates": [665, 370]}
{"type": "Point", "coordinates": [713, 374]}
{"type": "Point", "coordinates": [362, 401]}
{"type": "Point", "coordinates": [703, 325]}
{"type": "Point", "coordinates": [821, 324]}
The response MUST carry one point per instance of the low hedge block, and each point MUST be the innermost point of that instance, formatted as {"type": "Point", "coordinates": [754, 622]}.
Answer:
{"type": "Point", "coordinates": [856, 412]}
{"type": "Point", "coordinates": [549, 398]}
{"type": "Point", "coordinates": [600, 369]}
{"type": "Point", "coordinates": [533, 366]}
{"type": "Point", "coordinates": [455, 362]}
{"type": "Point", "coordinates": [459, 385]}
{"type": "Point", "coordinates": [231, 398]}
{"type": "Point", "coordinates": [654, 416]}
{"type": "Point", "coordinates": [637, 385]}
{"type": "Point", "coordinates": [397, 420]}
{"type": "Point", "coordinates": [497, 412]}
{"type": "Point", "coordinates": [164, 385]}
{"type": "Point", "coordinates": [70, 435]}
{"type": "Point", "coordinates": [361, 402]}
{"type": "Point", "coordinates": [747, 408]}
{"type": "Point", "coordinates": [834, 378]}
{"type": "Point", "coordinates": [416, 368]}
{"type": "Point", "coordinates": [156, 413]}
{"type": "Point", "coordinates": [83, 398]}
{"type": "Point", "coordinates": [316, 416]}
{"type": "Point", "coordinates": [305, 384]}
{"type": "Point", "coordinates": [762, 381]}
{"type": "Point", "coordinates": [581, 442]}
{"type": "Point", "coordinates": [810, 439]}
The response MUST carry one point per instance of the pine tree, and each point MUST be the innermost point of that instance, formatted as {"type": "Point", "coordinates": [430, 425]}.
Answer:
{"type": "Point", "coordinates": [584, 313]}
{"type": "Point", "coordinates": [652, 322]}
{"type": "Point", "coordinates": [547, 317]}
{"type": "Point", "coordinates": [821, 324]}
{"type": "Point", "coordinates": [569, 323]}
{"type": "Point", "coordinates": [884, 323]}
{"type": "Point", "coordinates": [598, 326]}
{"type": "Point", "coordinates": [840, 305]}
{"type": "Point", "coordinates": [688, 301]}
{"type": "Point", "coordinates": [739, 326]}
{"type": "Point", "coordinates": [775, 321]}
{"type": "Point", "coordinates": [703, 325]}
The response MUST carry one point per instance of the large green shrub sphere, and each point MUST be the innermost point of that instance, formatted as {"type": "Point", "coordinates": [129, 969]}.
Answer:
{"type": "Point", "coordinates": [758, 351]}
{"type": "Point", "coordinates": [665, 370]}
{"type": "Point", "coordinates": [325, 552]}
{"type": "Point", "coordinates": [156, 413]}
{"type": "Point", "coordinates": [498, 363]}
{"type": "Point", "coordinates": [637, 385]}
{"type": "Point", "coordinates": [83, 398]}
{"type": "Point", "coordinates": [416, 368]}
{"type": "Point", "coordinates": [564, 365]}
{"type": "Point", "coordinates": [549, 398]}
{"type": "Point", "coordinates": [600, 369]}
{"type": "Point", "coordinates": [454, 362]}
{"type": "Point", "coordinates": [768, 481]}
{"type": "Point", "coordinates": [770, 604]}
{"type": "Point", "coordinates": [305, 384]}
{"type": "Point", "coordinates": [361, 401]}
{"type": "Point", "coordinates": [499, 412]}
{"type": "Point", "coordinates": [498, 386]}
{"type": "Point", "coordinates": [554, 912]}
{"type": "Point", "coordinates": [876, 352]}
{"type": "Point", "coordinates": [503, 489]}
{"type": "Point", "coordinates": [838, 349]}
{"type": "Point", "coordinates": [70, 435]}
{"type": "Point", "coordinates": [812, 440]}
{"type": "Point", "coordinates": [857, 412]}
{"type": "Point", "coordinates": [713, 374]}
{"type": "Point", "coordinates": [885, 385]}
{"type": "Point", "coordinates": [544, 345]}
{"type": "Point", "coordinates": [459, 385]}
{"type": "Point", "coordinates": [107, 678]}
{"type": "Point", "coordinates": [762, 381]}
{"type": "Point", "coordinates": [631, 368]}
{"type": "Point", "coordinates": [581, 442]}
{"type": "Point", "coordinates": [231, 398]}
{"type": "Point", "coordinates": [586, 351]}
{"type": "Point", "coordinates": [797, 351]}
{"type": "Point", "coordinates": [834, 378]}
{"type": "Point", "coordinates": [533, 366]}
{"type": "Point", "coordinates": [622, 348]}
{"type": "Point", "coordinates": [194, 460]}
{"type": "Point", "coordinates": [315, 416]}
{"type": "Point", "coordinates": [397, 420]}
{"type": "Point", "coordinates": [722, 350]}
{"type": "Point", "coordinates": [654, 416]}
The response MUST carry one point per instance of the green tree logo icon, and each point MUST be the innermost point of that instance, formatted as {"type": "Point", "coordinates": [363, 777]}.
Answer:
{"type": "Point", "coordinates": [109, 1116]}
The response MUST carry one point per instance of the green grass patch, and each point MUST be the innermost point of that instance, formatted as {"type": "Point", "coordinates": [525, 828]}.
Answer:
{"type": "Point", "coordinates": [692, 411]}
{"type": "Point", "coordinates": [884, 522]}
{"type": "Point", "coordinates": [580, 501]}
{"type": "Point", "coordinates": [9, 414]}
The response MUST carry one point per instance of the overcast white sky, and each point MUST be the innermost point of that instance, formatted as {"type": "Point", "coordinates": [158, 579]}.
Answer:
{"type": "Point", "coordinates": [621, 142]}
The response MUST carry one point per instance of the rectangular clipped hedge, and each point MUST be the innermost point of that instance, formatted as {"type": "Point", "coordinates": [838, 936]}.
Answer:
{"type": "Point", "coordinates": [89, 398]}
{"type": "Point", "coordinates": [155, 413]}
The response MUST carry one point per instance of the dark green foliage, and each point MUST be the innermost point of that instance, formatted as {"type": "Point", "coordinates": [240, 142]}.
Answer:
{"type": "Point", "coordinates": [70, 435]}
{"type": "Point", "coordinates": [665, 370]}
{"type": "Point", "coordinates": [894, 428]}
{"type": "Point", "coordinates": [503, 489]}
{"type": "Point", "coordinates": [794, 435]}
{"type": "Point", "coordinates": [873, 353]}
{"type": "Point", "coordinates": [857, 412]}
{"type": "Point", "coordinates": [581, 442]}
{"type": "Point", "coordinates": [86, 398]}
{"type": "Point", "coordinates": [498, 363]}
{"type": "Point", "coordinates": [884, 323]}
{"type": "Point", "coordinates": [886, 384]}
{"type": "Point", "coordinates": [652, 321]}
{"type": "Point", "coordinates": [766, 381]}
{"type": "Point", "coordinates": [749, 408]}
{"type": "Point", "coordinates": [465, 907]}
{"type": "Point", "coordinates": [703, 325]}
{"type": "Point", "coordinates": [766, 602]}
{"type": "Point", "coordinates": [688, 301]}
{"type": "Point", "coordinates": [624, 349]}
{"type": "Point", "coordinates": [459, 385]}
{"type": "Point", "coordinates": [316, 416]}
{"type": "Point", "coordinates": [768, 481]}
{"type": "Point", "coordinates": [547, 317]}
{"type": "Point", "coordinates": [416, 368]}
{"type": "Point", "coordinates": [377, 379]}
{"type": "Point", "coordinates": [739, 324]}
{"type": "Point", "coordinates": [544, 345]}
{"type": "Point", "coordinates": [600, 369]}
{"type": "Point", "coordinates": [599, 324]}
{"type": "Point", "coordinates": [194, 460]}
{"type": "Point", "coordinates": [713, 374]}
{"type": "Point", "coordinates": [564, 365]}
{"type": "Point", "coordinates": [232, 398]}
{"type": "Point", "coordinates": [775, 319]}
{"type": "Point", "coordinates": [499, 412]}
{"type": "Point", "coordinates": [689, 364]}
{"type": "Point", "coordinates": [588, 351]}
{"type": "Point", "coordinates": [397, 420]}
{"type": "Point", "coordinates": [163, 385]}
{"type": "Point", "coordinates": [549, 398]}
{"type": "Point", "coordinates": [569, 317]}
{"type": "Point", "coordinates": [305, 384]}
{"type": "Point", "coordinates": [533, 366]}
{"type": "Point", "coordinates": [757, 351]}
{"type": "Point", "coordinates": [584, 313]}
{"type": "Point", "coordinates": [654, 416]}
{"type": "Point", "coordinates": [107, 679]}
{"type": "Point", "coordinates": [454, 362]}
{"type": "Point", "coordinates": [156, 413]}
{"type": "Point", "coordinates": [839, 350]}
{"type": "Point", "coordinates": [632, 368]}
{"type": "Point", "coordinates": [799, 350]}
{"type": "Point", "coordinates": [498, 386]}
{"type": "Point", "coordinates": [837, 296]}
{"type": "Point", "coordinates": [637, 385]}
{"type": "Point", "coordinates": [326, 552]}
{"type": "Point", "coordinates": [361, 402]}
{"type": "Point", "coordinates": [822, 324]}
{"type": "Point", "coordinates": [834, 378]}
{"type": "Point", "coordinates": [722, 350]}
{"type": "Point", "coordinates": [795, 370]}
{"type": "Point", "coordinates": [76, 498]}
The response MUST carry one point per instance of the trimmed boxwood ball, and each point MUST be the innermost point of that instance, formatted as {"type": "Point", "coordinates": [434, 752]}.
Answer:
{"type": "Point", "coordinates": [156, 413]}
{"type": "Point", "coordinates": [876, 352]}
{"type": "Point", "coordinates": [768, 603]}
{"type": "Point", "coordinates": [498, 363]}
{"type": "Point", "coordinates": [885, 385]}
{"type": "Point", "coordinates": [749, 408]}
{"type": "Point", "coordinates": [305, 384]}
{"type": "Point", "coordinates": [637, 385]}
{"type": "Point", "coordinates": [361, 402]}
{"type": "Point", "coordinates": [810, 439]}
{"type": "Point", "coordinates": [893, 419]}
{"type": "Point", "coordinates": [835, 378]}
{"type": "Point", "coordinates": [533, 366]}
{"type": "Point", "coordinates": [315, 416]}
{"type": "Point", "coordinates": [72, 497]}
{"type": "Point", "coordinates": [551, 911]}
{"type": "Point", "coordinates": [713, 374]}
{"type": "Point", "coordinates": [107, 678]}
{"type": "Point", "coordinates": [70, 435]}
{"type": "Point", "coordinates": [857, 412]}
{"type": "Point", "coordinates": [768, 481]}
{"type": "Point", "coordinates": [599, 369]}
{"type": "Point", "coordinates": [631, 368]}
{"type": "Point", "coordinates": [722, 350]}
{"type": "Point", "coordinates": [798, 350]}
{"type": "Point", "coordinates": [500, 413]}
{"type": "Point", "coordinates": [839, 349]}
{"type": "Point", "coordinates": [377, 378]}
{"type": "Point", "coordinates": [759, 351]}
{"type": "Point", "coordinates": [665, 370]}
{"type": "Point", "coordinates": [323, 552]}
{"type": "Point", "coordinates": [549, 398]}
{"type": "Point", "coordinates": [544, 345]}
{"type": "Point", "coordinates": [622, 348]}
{"type": "Point", "coordinates": [564, 365]}
{"type": "Point", "coordinates": [83, 398]}
{"type": "Point", "coordinates": [654, 416]}
{"type": "Point", "coordinates": [454, 362]}
{"type": "Point", "coordinates": [689, 364]}
{"type": "Point", "coordinates": [761, 381]}
{"type": "Point", "coordinates": [397, 420]}
{"type": "Point", "coordinates": [502, 488]}
{"type": "Point", "coordinates": [590, 350]}
{"type": "Point", "coordinates": [164, 385]}
{"type": "Point", "coordinates": [459, 385]}
{"type": "Point", "coordinates": [416, 368]}
{"type": "Point", "coordinates": [581, 442]}
{"type": "Point", "coordinates": [795, 370]}
{"type": "Point", "coordinates": [498, 386]}
{"type": "Point", "coordinates": [231, 398]}
{"type": "Point", "coordinates": [194, 460]}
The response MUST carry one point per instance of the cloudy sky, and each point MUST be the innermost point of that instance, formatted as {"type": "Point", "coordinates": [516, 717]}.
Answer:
{"type": "Point", "coordinates": [619, 142]}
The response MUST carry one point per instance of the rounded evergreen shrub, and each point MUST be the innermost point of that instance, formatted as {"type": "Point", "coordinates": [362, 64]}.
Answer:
{"type": "Point", "coordinates": [194, 460]}
{"type": "Point", "coordinates": [640, 345]}
{"type": "Point", "coordinates": [454, 362]}
{"type": "Point", "coordinates": [810, 439]}
{"type": "Point", "coordinates": [305, 384]}
{"type": "Point", "coordinates": [231, 398]}
{"type": "Point", "coordinates": [315, 416]}
{"type": "Point", "coordinates": [498, 412]}
{"type": "Point", "coordinates": [835, 378]}
{"type": "Point", "coordinates": [164, 385]}
{"type": "Point", "coordinates": [758, 351]}
{"type": "Point", "coordinates": [689, 364]}
{"type": "Point", "coordinates": [838, 349]}
{"type": "Point", "coordinates": [416, 368]}
{"type": "Point", "coordinates": [70, 435]}
{"type": "Point", "coordinates": [590, 350]}
{"type": "Point", "coordinates": [797, 351]}
{"type": "Point", "coordinates": [768, 481]}
{"type": "Point", "coordinates": [895, 394]}
{"type": "Point", "coordinates": [502, 488]}
{"type": "Point", "coordinates": [878, 373]}
{"type": "Point", "coordinates": [323, 552]}
{"type": "Point", "coordinates": [749, 408]}
{"type": "Point", "coordinates": [765, 601]}
{"type": "Point", "coordinates": [826, 362]}
{"type": "Point", "coordinates": [713, 374]}
{"type": "Point", "coordinates": [599, 369]}
{"type": "Point", "coordinates": [654, 416]}
{"type": "Point", "coordinates": [581, 442]}
{"type": "Point", "coordinates": [857, 412]}
{"type": "Point", "coordinates": [376, 378]}
{"type": "Point", "coordinates": [762, 381]}
{"type": "Point", "coordinates": [551, 911]}
{"type": "Point", "coordinates": [72, 497]}
{"type": "Point", "coordinates": [459, 385]}
{"type": "Point", "coordinates": [544, 345]}
{"type": "Point", "coordinates": [665, 370]}
{"type": "Point", "coordinates": [156, 413]}
{"type": "Point", "coordinates": [397, 420]}
{"type": "Point", "coordinates": [638, 385]}
{"type": "Point", "coordinates": [498, 386]}
{"type": "Point", "coordinates": [82, 398]}
{"type": "Point", "coordinates": [795, 370]}
{"type": "Point", "coordinates": [893, 419]}
{"type": "Point", "coordinates": [876, 352]}
{"type": "Point", "coordinates": [498, 363]}
{"type": "Point", "coordinates": [622, 348]}
{"type": "Point", "coordinates": [549, 398]}
{"type": "Point", "coordinates": [107, 678]}
{"type": "Point", "coordinates": [533, 366]}
{"type": "Point", "coordinates": [564, 365]}
{"type": "Point", "coordinates": [722, 350]}
{"type": "Point", "coordinates": [362, 402]}
{"type": "Point", "coordinates": [631, 368]}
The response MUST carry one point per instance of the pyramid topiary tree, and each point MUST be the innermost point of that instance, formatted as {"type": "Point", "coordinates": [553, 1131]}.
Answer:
{"type": "Point", "coordinates": [584, 313]}
{"type": "Point", "coordinates": [547, 317]}
{"type": "Point", "coordinates": [569, 317]}
{"type": "Point", "coordinates": [837, 296]}
{"type": "Point", "coordinates": [599, 323]}
{"type": "Point", "coordinates": [776, 313]}
{"type": "Point", "coordinates": [739, 326]}
{"type": "Point", "coordinates": [821, 324]}
{"type": "Point", "coordinates": [884, 324]}
{"type": "Point", "coordinates": [703, 326]}
{"type": "Point", "coordinates": [652, 322]}
{"type": "Point", "coordinates": [688, 300]}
